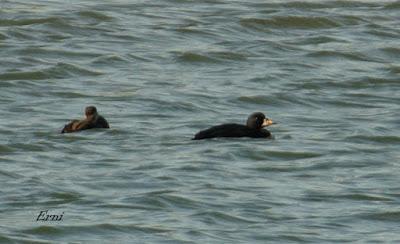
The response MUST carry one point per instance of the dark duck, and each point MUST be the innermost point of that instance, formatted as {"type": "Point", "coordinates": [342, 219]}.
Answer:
{"type": "Point", "coordinates": [253, 128]}
{"type": "Point", "coordinates": [92, 120]}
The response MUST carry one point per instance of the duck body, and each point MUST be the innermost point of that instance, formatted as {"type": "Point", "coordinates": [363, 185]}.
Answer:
{"type": "Point", "coordinates": [98, 122]}
{"type": "Point", "coordinates": [231, 130]}
{"type": "Point", "coordinates": [253, 128]}
{"type": "Point", "coordinates": [93, 120]}
{"type": "Point", "coordinates": [78, 125]}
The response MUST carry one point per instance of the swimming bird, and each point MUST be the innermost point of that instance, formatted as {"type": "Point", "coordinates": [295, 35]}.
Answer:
{"type": "Point", "coordinates": [253, 128]}
{"type": "Point", "coordinates": [92, 120]}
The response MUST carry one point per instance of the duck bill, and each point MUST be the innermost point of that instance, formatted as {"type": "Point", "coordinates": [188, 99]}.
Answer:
{"type": "Point", "coordinates": [267, 122]}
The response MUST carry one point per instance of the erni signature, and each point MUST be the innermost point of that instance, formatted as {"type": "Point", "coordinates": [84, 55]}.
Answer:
{"type": "Point", "coordinates": [45, 216]}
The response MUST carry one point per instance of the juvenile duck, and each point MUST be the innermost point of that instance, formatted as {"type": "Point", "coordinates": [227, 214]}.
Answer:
{"type": "Point", "coordinates": [92, 120]}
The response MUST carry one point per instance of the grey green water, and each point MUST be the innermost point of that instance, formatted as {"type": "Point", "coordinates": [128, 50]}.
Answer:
{"type": "Point", "coordinates": [327, 71]}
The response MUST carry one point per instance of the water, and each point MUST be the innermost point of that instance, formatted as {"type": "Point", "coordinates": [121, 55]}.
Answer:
{"type": "Point", "coordinates": [159, 71]}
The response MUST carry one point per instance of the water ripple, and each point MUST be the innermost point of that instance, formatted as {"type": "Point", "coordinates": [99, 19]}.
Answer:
{"type": "Point", "coordinates": [22, 22]}
{"type": "Point", "coordinates": [342, 55]}
{"type": "Point", "coordinates": [191, 57]}
{"type": "Point", "coordinates": [289, 22]}
{"type": "Point", "coordinates": [390, 216]}
{"type": "Point", "coordinates": [209, 57]}
{"type": "Point", "coordinates": [96, 15]}
{"type": "Point", "coordinates": [54, 53]}
{"type": "Point", "coordinates": [376, 139]}
{"type": "Point", "coordinates": [218, 217]}
{"type": "Point", "coordinates": [60, 70]}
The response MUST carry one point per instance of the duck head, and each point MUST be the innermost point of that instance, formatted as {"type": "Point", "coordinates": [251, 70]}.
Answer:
{"type": "Point", "coordinates": [258, 120]}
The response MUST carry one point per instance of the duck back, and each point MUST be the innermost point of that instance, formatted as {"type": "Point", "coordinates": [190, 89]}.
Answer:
{"type": "Point", "coordinates": [231, 130]}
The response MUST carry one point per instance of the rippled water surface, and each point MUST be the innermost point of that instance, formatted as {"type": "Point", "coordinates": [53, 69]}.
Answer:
{"type": "Point", "coordinates": [159, 71]}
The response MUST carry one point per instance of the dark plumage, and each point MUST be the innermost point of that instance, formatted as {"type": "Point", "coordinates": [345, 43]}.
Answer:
{"type": "Point", "coordinates": [253, 128]}
{"type": "Point", "coordinates": [93, 120]}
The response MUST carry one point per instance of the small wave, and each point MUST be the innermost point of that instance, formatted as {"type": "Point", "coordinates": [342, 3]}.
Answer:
{"type": "Point", "coordinates": [377, 139]}
{"type": "Point", "coordinates": [350, 20]}
{"type": "Point", "coordinates": [216, 216]}
{"type": "Point", "coordinates": [383, 33]}
{"type": "Point", "coordinates": [305, 5]}
{"type": "Point", "coordinates": [97, 228]}
{"type": "Point", "coordinates": [225, 55]}
{"type": "Point", "coordinates": [260, 99]}
{"type": "Point", "coordinates": [70, 94]}
{"type": "Point", "coordinates": [21, 34]}
{"type": "Point", "coordinates": [125, 95]}
{"type": "Point", "coordinates": [167, 105]}
{"type": "Point", "coordinates": [128, 207]}
{"type": "Point", "coordinates": [151, 202]}
{"type": "Point", "coordinates": [2, 36]}
{"type": "Point", "coordinates": [316, 40]}
{"type": "Point", "coordinates": [316, 4]}
{"type": "Point", "coordinates": [70, 27]}
{"type": "Point", "coordinates": [129, 228]}
{"type": "Point", "coordinates": [277, 169]}
{"type": "Point", "coordinates": [98, 16]}
{"type": "Point", "coordinates": [4, 239]}
{"type": "Point", "coordinates": [360, 83]}
{"type": "Point", "coordinates": [44, 230]}
{"type": "Point", "coordinates": [191, 168]}
{"type": "Point", "coordinates": [159, 192]}
{"type": "Point", "coordinates": [4, 149]}
{"type": "Point", "coordinates": [60, 70]}
{"type": "Point", "coordinates": [321, 196]}
{"type": "Point", "coordinates": [284, 155]}
{"type": "Point", "coordinates": [177, 201]}
{"type": "Point", "coordinates": [209, 57]}
{"type": "Point", "coordinates": [278, 99]}
{"type": "Point", "coordinates": [394, 69]}
{"type": "Point", "coordinates": [28, 75]}
{"type": "Point", "coordinates": [194, 31]}
{"type": "Point", "coordinates": [11, 174]}
{"type": "Point", "coordinates": [366, 100]}
{"type": "Point", "coordinates": [364, 197]}
{"type": "Point", "coordinates": [192, 57]}
{"type": "Point", "coordinates": [23, 22]}
{"type": "Point", "coordinates": [28, 147]}
{"type": "Point", "coordinates": [341, 55]}
{"type": "Point", "coordinates": [275, 46]}
{"type": "Point", "coordinates": [390, 216]}
{"type": "Point", "coordinates": [55, 53]}
{"type": "Point", "coordinates": [375, 81]}
{"type": "Point", "coordinates": [139, 58]}
{"type": "Point", "coordinates": [65, 197]}
{"type": "Point", "coordinates": [109, 60]}
{"type": "Point", "coordinates": [292, 155]}
{"type": "Point", "coordinates": [65, 69]}
{"type": "Point", "coordinates": [350, 104]}
{"type": "Point", "coordinates": [393, 5]}
{"type": "Point", "coordinates": [296, 22]}
{"type": "Point", "coordinates": [392, 51]}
